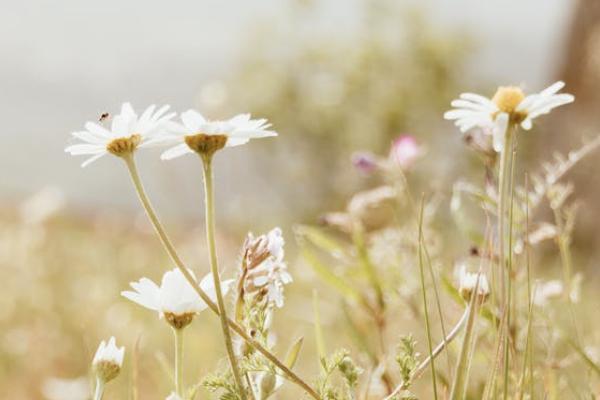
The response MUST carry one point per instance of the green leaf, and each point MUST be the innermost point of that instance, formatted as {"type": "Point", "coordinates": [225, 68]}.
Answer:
{"type": "Point", "coordinates": [318, 331]}
{"type": "Point", "coordinates": [590, 363]}
{"type": "Point", "coordinates": [321, 239]}
{"type": "Point", "coordinates": [293, 353]}
{"type": "Point", "coordinates": [332, 279]}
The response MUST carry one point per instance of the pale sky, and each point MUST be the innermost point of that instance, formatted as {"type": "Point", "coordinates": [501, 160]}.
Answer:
{"type": "Point", "coordinates": [64, 62]}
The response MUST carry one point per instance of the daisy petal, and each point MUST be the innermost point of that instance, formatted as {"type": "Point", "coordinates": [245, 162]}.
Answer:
{"type": "Point", "coordinates": [92, 159]}
{"type": "Point", "coordinates": [479, 99]}
{"type": "Point", "coordinates": [192, 120]}
{"type": "Point", "coordinates": [176, 151]}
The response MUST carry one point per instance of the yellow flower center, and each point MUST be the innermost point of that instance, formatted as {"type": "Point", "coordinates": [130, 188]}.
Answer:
{"type": "Point", "coordinates": [508, 98]}
{"type": "Point", "coordinates": [123, 146]}
{"type": "Point", "coordinates": [179, 321]}
{"type": "Point", "coordinates": [107, 370]}
{"type": "Point", "coordinates": [466, 294]}
{"type": "Point", "coordinates": [204, 144]}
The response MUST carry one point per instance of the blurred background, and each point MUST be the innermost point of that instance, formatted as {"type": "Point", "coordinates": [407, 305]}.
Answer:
{"type": "Point", "coordinates": [333, 76]}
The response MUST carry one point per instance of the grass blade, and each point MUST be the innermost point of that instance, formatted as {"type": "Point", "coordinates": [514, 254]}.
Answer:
{"type": "Point", "coordinates": [424, 293]}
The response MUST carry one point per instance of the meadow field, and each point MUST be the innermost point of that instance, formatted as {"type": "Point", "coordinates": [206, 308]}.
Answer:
{"type": "Point", "coordinates": [357, 217]}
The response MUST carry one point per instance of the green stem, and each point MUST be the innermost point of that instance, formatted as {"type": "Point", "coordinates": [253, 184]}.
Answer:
{"type": "Point", "coordinates": [463, 366]}
{"type": "Point", "coordinates": [424, 293]}
{"type": "Point", "coordinates": [529, 291]}
{"type": "Point", "coordinates": [436, 293]}
{"type": "Point", "coordinates": [214, 267]}
{"type": "Point", "coordinates": [425, 363]}
{"type": "Point", "coordinates": [172, 252]}
{"type": "Point", "coordinates": [250, 386]}
{"type": "Point", "coordinates": [178, 361]}
{"type": "Point", "coordinates": [459, 386]}
{"type": "Point", "coordinates": [509, 276]}
{"type": "Point", "coordinates": [99, 392]}
{"type": "Point", "coordinates": [504, 190]}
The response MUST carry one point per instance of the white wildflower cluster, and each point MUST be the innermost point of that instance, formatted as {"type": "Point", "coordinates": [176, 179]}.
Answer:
{"type": "Point", "coordinates": [180, 297]}
{"type": "Point", "coordinates": [264, 272]}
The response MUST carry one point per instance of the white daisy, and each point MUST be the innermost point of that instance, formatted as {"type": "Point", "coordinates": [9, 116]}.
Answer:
{"type": "Point", "coordinates": [266, 271]}
{"type": "Point", "coordinates": [127, 132]}
{"type": "Point", "coordinates": [108, 360]}
{"type": "Point", "coordinates": [509, 104]}
{"type": "Point", "coordinates": [468, 282]}
{"type": "Point", "coordinates": [197, 134]}
{"type": "Point", "coordinates": [175, 299]}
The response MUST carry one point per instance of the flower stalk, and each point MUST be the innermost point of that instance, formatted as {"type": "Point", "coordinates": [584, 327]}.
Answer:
{"type": "Point", "coordinates": [461, 375]}
{"type": "Point", "coordinates": [504, 189]}
{"type": "Point", "coordinates": [172, 252]}
{"type": "Point", "coordinates": [424, 294]}
{"type": "Point", "coordinates": [214, 267]}
{"type": "Point", "coordinates": [99, 392]}
{"type": "Point", "coordinates": [178, 361]}
{"type": "Point", "coordinates": [505, 185]}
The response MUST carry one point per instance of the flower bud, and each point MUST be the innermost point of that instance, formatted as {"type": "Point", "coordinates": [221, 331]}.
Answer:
{"type": "Point", "coordinates": [405, 151]}
{"type": "Point", "coordinates": [365, 162]}
{"type": "Point", "coordinates": [468, 283]}
{"type": "Point", "coordinates": [267, 382]}
{"type": "Point", "coordinates": [108, 360]}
